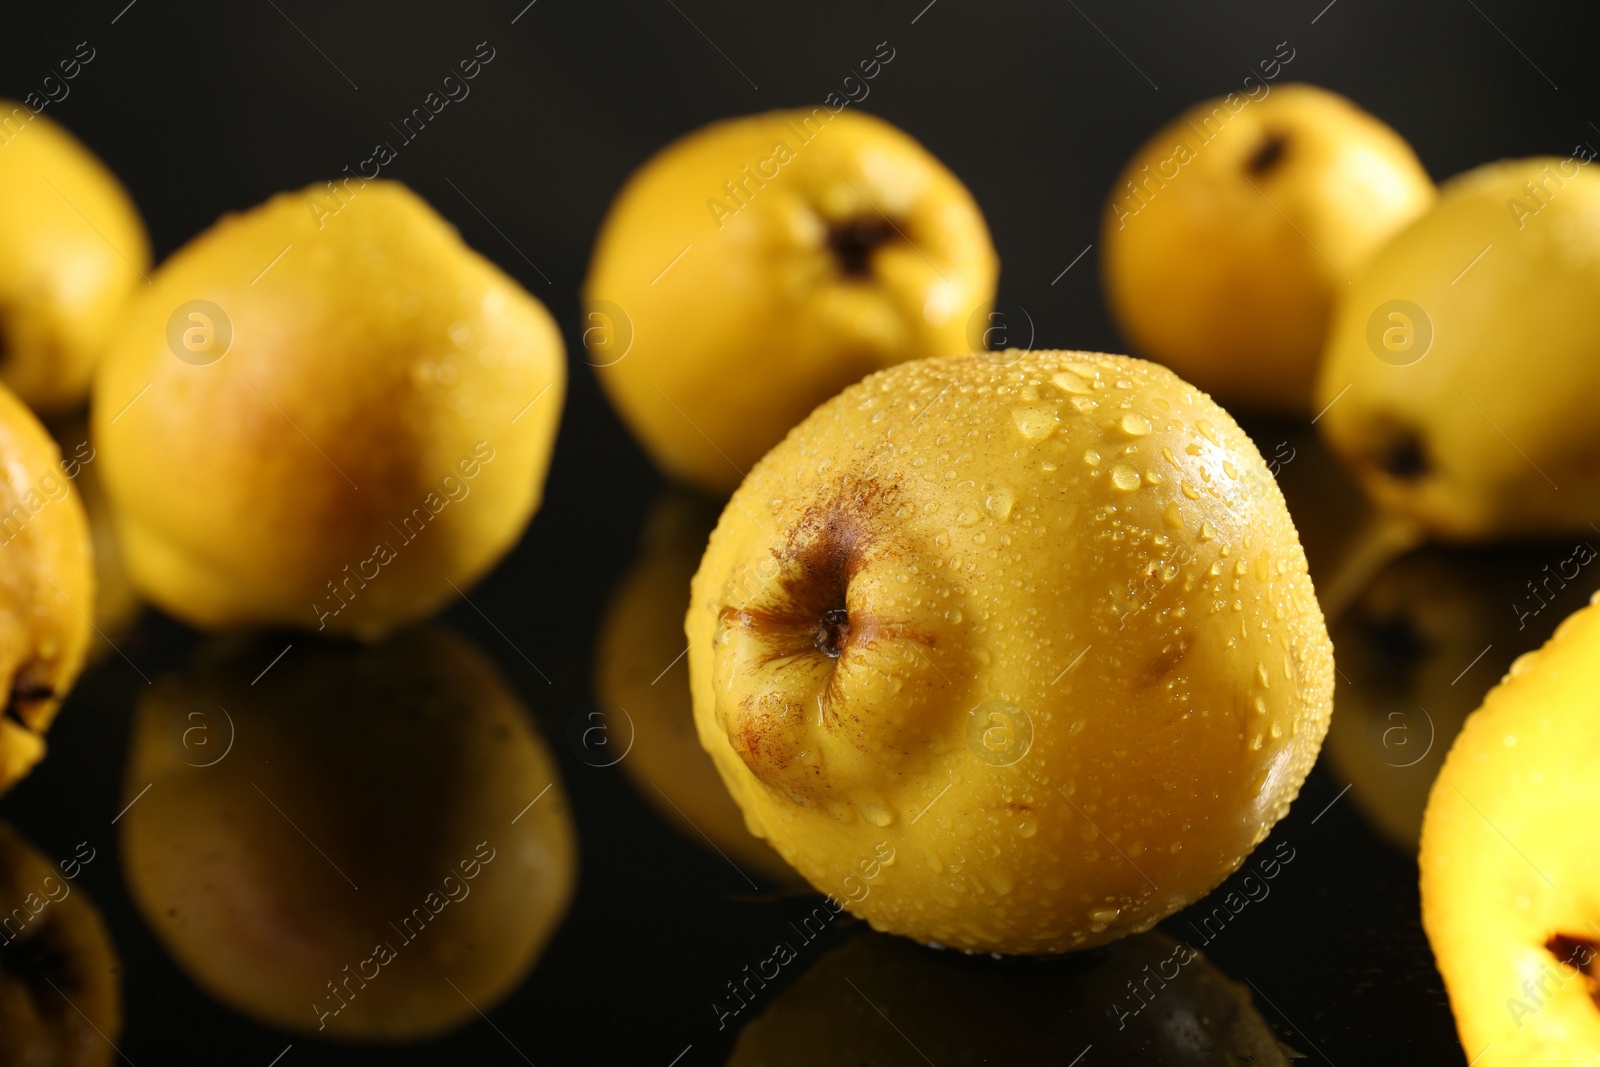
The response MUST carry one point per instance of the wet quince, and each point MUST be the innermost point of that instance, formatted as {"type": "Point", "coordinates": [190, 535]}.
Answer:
{"type": "Point", "coordinates": [46, 586]}
{"type": "Point", "coordinates": [326, 413]}
{"type": "Point", "coordinates": [1011, 652]}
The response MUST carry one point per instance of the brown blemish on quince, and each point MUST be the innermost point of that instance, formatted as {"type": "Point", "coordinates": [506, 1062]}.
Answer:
{"type": "Point", "coordinates": [1580, 953]}
{"type": "Point", "coordinates": [803, 621]}
{"type": "Point", "coordinates": [1167, 662]}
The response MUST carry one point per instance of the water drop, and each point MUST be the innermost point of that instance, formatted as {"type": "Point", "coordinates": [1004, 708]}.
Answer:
{"type": "Point", "coordinates": [1124, 478]}
{"type": "Point", "coordinates": [1134, 425]}
{"type": "Point", "coordinates": [999, 501]}
{"type": "Point", "coordinates": [1069, 382]}
{"type": "Point", "coordinates": [876, 814]}
{"type": "Point", "coordinates": [1035, 423]}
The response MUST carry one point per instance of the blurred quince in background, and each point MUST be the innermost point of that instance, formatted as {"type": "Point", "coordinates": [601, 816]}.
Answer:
{"type": "Point", "coordinates": [325, 413]}
{"type": "Point", "coordinates": [752, 269]}
{"type": "Point", "coordinates": [72, 249]}
{"type": "Point", "coordinates": [1233, 231]}
{"type": "Point", "coordinates": [1460, 376]}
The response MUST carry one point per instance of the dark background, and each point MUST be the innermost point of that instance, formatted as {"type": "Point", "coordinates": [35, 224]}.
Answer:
{"type": "Point", "coordinates": [203, 109]}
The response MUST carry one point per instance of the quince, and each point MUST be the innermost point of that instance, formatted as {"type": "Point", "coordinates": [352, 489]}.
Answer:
{"type": "Point", "coordinates": [1037, 626]}
{"type": "Point", "coordinates": [72, 248]}
{"type": "Point", "coordinates": [834, 238]}
{"type": "Point", "coordinates": [1460, 375]}
{"type": "Point", "coordinates": [46, 586]}
{"type": "Point", "coordinates": [1232, 231]}
{"type": "Point", "coordinates": [1508, 855]}
{"type": "Point", "coordinates": [326, 413]}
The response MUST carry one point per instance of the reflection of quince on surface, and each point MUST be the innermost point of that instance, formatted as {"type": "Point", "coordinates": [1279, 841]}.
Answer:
{"type": "Point", "coordinates": [856, 250]}
{"type": "Point", "coordinates": [1471, 440]}
{"type": "Point", "coordinates": [397, 769]}
{"type": "Point", "coordinates": [1417, 651]}
{"type": "Point", "coordinates": [1042, 627]}
{"type": "Point", "coordinates": [58, 970]}
{"type": "Point", "coordinates": [71, 250]}
{"type": "Point", "coordinates": [1231, 233]}
{"type": "Point", "coordinates": [1328, 509]}
{"type": "Point", "coordinates": [46, 587]}
{"type": "Point", "coordinates": [378, 427]}
{"type": "Point", "coordinates": [1509, 850]}
{"type": "Point", "coordinates": [886, 1002]}
{"type": "Point", "coordinates": [642, 636]}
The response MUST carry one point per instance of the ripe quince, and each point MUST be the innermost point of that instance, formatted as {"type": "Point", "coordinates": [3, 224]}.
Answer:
{"type": "Point", "coordinates": [326, 413]}
{"type": "Point", "coordinates": [72, 249]}
{"type": "Point", "coordinates": [1026, 638]}
{"type": "Point", "coordinates": [46, 586]}
{"type": "Point", "coordinates": [1460, 375]}
{"type": "Point", "coordinates": [1233, 230]}
{"type": "Point", "coordinates": [832, 238]}
{"type": "Point", "coordinates": [1508, 855]}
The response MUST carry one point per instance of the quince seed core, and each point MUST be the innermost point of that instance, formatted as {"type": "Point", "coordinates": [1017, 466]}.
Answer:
{"type": "Point", "coordinates": [854, 241]}
{"type": "Point", "coordinates": [832, 633]}
{"type": "Point", "coordinates": [1269, 154]}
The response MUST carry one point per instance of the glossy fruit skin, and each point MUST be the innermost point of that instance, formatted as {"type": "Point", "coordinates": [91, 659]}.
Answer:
{"type": "Point", "coordinates": [711, 357]}
{"type": "Point", "coordinates": [69, 258]}
{"type": "Point", "coordinates": [47, 589]}
{"type": "Point", "coordinates": [1508, 854]}
{"type": "Point", "coordinates": [405, 764]}
{"type": "Point", "coordinates": [53, 930]}
{"type": "Point", "coordinates": [379, 429]}
{"type": "Point", "coordinates": [1233, 230]}
{"type": "Point", "coordinates": [644, 722]}
{"type": "Point", "coordinates": [1470, 439]}
{"type": "Point", "coordinates": [1067, 601]}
